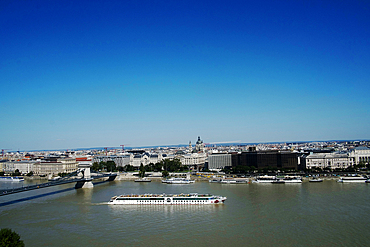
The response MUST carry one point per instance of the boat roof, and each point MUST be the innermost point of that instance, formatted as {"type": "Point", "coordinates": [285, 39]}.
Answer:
{"type": "Point", "coordinates": [167, 195]}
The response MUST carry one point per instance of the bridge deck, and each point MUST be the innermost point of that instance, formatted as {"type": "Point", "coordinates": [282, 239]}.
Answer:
{"type": "Point", "coordinates": [52, 183]}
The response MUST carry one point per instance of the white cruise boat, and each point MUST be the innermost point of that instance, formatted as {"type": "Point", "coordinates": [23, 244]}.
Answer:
{"type": "Point", "coordinates": [265, 179]}
{"type": "Point", "coordinates": [164, 199]}
{"type": "Point", "coordinates": [228, 181]}
{"type": "Point", "coordinates": [143, 180]}
{"type": "Point", "coordinates": [177, 181]}
{"type": "Point", "coordinates": [292, 179]}
{"type": "Point", "coordinates": [11, 179]}
{"type": "Point", "coordinates": [215, 180]}
{"type": "Point", "coordinates": [234, 181]}
{"type": "Point", "coordinates": [353, 179]}
{"type": "Point", "coordinates": [315, 180]}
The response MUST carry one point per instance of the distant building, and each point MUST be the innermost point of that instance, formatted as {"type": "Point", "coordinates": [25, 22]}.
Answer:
{"type": "Point", "coordinates": [193, 160]}
{"type": "Point", "coordinates": [119, 160]}
{"type": "Point", "coordinates": [361, 154]}
{"type": "Point", "coordinates": [55, 166]}
{"type": "Point", "coordinates": [52, 165]}
{"type": "Point", "coordinates": [199, 146]}
{"type": "Point", "coordinates": [266, 159]}
{"type": "Point", "coordinates": [218, 161]}
{"type": "Point", "coordinates": [2, 162]}
{"type": "Point", "coordinates": [23, 166]}
{"type": "Point", "coordinates": [328, 160]}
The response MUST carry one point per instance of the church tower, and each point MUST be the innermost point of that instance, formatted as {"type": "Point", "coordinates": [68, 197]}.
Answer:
{"type": "Point", "coordinates": [199, 146]}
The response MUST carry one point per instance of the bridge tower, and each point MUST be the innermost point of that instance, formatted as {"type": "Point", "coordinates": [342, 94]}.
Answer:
{"type": "Point", "coordinates": [86, 182]}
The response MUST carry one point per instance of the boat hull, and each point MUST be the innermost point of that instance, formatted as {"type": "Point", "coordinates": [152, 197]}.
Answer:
{"type": "Point", "coordinates": [352, 180]}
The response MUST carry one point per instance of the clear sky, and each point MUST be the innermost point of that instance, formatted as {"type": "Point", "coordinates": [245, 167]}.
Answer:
{"type": "Point", "coordinates": [78, 74]}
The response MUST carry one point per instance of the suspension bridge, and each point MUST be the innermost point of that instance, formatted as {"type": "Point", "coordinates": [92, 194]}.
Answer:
{"type": "Point", "coordinates": [82, 177]}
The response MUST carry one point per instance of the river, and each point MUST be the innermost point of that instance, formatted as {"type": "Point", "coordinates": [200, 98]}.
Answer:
{"type": "Point", "coordinates": [307, 214]}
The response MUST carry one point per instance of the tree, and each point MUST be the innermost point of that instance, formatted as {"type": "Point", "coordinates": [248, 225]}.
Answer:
{"type": "Point", "coordinates": [111, 166]}
{"type": "Point", "coordinates": [360, 165]}
{"type": "Point", "coordinates": [97, 166]}
{"type": "Point", "coordinates": [141, 171]}
{"type": "Point", "coordinates": [172, 165]}
{"type": "Point", "coordinates": [158, 167]}
{"type": "Point", "coordinates": [165, 173]}
{"type": "Point", "coordinates": [10, 238]}
{"type": "Point", "coordinates": [227, 169]}
{"type": "Point", "coordinates": [129, 168]}
{"type": "Point", "coordinates": [16, 173]}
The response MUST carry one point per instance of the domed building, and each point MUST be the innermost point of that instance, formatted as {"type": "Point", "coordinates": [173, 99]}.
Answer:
{"type": "Point", "coordinates": [199, 146]}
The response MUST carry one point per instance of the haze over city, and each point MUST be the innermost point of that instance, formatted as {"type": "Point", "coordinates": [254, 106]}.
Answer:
{"type": "Point", "coordinates": [77, 74]}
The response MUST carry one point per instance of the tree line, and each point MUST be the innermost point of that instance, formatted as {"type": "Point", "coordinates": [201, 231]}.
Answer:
{"type": "Point", "coordinates": [165, 165]}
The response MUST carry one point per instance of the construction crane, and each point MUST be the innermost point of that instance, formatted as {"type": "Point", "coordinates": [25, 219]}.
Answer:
{"type": "Point", "coordinates": [123, 147]}
{"type": "Point", "coordinates": [106, 151]}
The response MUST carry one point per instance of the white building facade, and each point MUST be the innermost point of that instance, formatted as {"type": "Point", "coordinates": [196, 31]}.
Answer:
{"type": "Point", "coordinates": [218, 161]}
{"type": "Point", "coordinates": [24, 167]}
{"type": "Point", "coordinates": [329, 160]}
{"type": "Point", "coordinates": [361, 154]}
{"type": "Point", "coordinates": [119, 160]}
{"type": "Point", "coordinates": [193, 159]}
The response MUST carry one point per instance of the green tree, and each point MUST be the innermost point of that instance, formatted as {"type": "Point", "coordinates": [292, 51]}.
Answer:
{"type": "Point", "coordinates": [9, 238]}
{"type": "Point", "coordinates": [97, 166]}
{"type": "Point", "coordinates": [172, 165]}
{"type": "Point", "coordinates": [141, 171]}
{"type": "Point", "coordinates": [158, 167]}
{"type": "Point", "coordinates": [129, 168]}
{"type": "Point", "coordinates": [227, 169]}
{"type": "Point", "coordinates": [16, 173]}
{"type": "Point", "coordinates": [165, 173]}
{"type": "Point", "coordinates": [360, 165]}
{"type": "Point", "coordinates": [252, 169]}
{"type": "Point", "coordinates": [111, 166]}
{"type": "Point", "coordinates": [149, 168]}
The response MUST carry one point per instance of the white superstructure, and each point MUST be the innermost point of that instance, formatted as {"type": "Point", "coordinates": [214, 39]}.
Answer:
{"type": "Point", "coordinates": [177, 181]}
{"type": "Point", "coordinates": [353, 179]}
{"type": "Point", "coordinates": [164, 199]}
{"type": "Point", "coordinates": [265, 179]}
{"type": "Point", "coordinates": [292, 179]}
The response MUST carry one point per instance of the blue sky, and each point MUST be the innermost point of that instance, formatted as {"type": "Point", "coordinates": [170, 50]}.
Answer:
{"type": "Point", "coordinates": [77, 74]}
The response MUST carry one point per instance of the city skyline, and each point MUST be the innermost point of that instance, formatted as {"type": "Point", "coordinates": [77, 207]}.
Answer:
{"type": "Point", "coordinates": [154, 73]}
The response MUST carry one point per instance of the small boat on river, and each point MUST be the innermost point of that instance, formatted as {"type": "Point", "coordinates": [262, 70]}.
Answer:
{"type": "Point", "coordinates": [143, 180]}
{"type": "Point", "coordinates": [11, 179]}
{"type": "Point", "coordinates": [315, 180]}
{"type": "Point", "coordinates": [177, 181]}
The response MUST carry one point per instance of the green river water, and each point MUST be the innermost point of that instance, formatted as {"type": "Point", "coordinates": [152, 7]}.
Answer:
{"type": "Point", "coordinates": [307, 214]}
